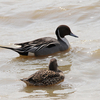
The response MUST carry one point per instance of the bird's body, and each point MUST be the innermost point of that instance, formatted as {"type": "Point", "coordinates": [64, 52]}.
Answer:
{"type": "Point", "coordinates": [45, 77]}
{"type": "Point", "coordinates": [46, 45]}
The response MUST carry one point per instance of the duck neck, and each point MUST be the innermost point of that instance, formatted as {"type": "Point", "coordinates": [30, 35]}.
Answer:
{"type": "Point", "coordinates": [53, 67]}
{"type": "Point", "coordinates": [63, 39]}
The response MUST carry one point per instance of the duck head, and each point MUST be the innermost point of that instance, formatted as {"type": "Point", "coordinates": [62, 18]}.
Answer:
{"type": "Point", "coordinates": [53, 64]}
{"type": "Point", "coordinates": [64, 30]}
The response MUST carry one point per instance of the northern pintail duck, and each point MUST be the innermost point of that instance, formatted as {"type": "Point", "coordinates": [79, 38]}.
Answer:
{"type": "Point", "coordinates": [46, 45]}
{"type": "Point", "coordinates": [45, 77]}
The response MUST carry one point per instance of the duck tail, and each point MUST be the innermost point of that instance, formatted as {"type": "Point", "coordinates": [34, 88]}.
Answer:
{"type": "Point", "coordinates": [8, 48]}
{"type": "Point", "coordinates": [18, 50]}
{"type": "Point", "coordinates": [25, 81]}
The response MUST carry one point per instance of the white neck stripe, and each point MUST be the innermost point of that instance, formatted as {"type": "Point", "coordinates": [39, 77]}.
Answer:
{"type": "Point", "coordinates": [63, 39]}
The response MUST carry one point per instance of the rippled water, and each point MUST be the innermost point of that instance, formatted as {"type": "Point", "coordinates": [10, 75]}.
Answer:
{"type": "Point", "coordinates": [25, 20]}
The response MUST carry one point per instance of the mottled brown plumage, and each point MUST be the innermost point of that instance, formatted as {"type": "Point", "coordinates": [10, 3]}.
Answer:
{"type": "Point", "coordinates": [46, 77]}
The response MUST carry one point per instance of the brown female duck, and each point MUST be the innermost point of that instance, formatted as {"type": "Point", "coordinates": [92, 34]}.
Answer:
{"type": "Point", "coordinates": [45, 77]}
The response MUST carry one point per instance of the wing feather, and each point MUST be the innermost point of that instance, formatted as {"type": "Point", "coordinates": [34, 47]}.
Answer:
{"type": "Point", "coordinates": [38, 44]}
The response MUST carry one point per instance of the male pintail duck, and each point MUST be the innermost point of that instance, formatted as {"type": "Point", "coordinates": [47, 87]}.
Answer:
{"type": "Point", "coordinates": [45, 77]}
{"type": "Point", "coordinates": [46, 45]}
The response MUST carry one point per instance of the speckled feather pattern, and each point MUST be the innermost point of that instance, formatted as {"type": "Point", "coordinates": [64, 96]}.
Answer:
{"type": "Point", "coordinates": [45, 77]}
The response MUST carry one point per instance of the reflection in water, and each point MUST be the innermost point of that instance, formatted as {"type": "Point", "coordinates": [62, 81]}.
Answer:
{"type": "Point", "coordinates": [49, 91]}
{"type": "Point", "coordinates": [42, 61]}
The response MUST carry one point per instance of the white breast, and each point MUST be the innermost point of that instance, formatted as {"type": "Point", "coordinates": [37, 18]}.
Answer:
{"type": "Point", "coordinates": [65, 40]}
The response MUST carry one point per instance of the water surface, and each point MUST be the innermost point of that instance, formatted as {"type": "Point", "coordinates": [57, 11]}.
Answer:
{"type": "Point", "coordinates": [25, 20]}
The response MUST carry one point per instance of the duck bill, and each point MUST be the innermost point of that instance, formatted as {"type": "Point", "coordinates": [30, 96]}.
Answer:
{"type": "Point", "coordinates": [71, 34]}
